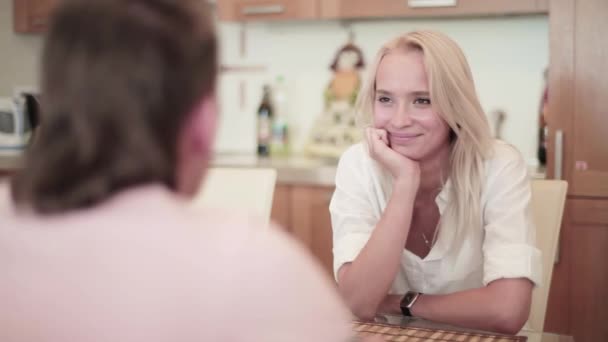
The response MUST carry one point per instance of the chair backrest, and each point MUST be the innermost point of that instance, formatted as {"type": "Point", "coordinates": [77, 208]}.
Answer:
{"type": "Point", "coordinates": [548, 200]}
{"type": "Point", "coordinates": [247, 190]}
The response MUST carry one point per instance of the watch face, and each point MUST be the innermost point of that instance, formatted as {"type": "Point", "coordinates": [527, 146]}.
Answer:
{"type": "Point", "coordinates": [409, 297]}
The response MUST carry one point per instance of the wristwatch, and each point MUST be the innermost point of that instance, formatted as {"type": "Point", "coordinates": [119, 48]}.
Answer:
{"type": "Point", "coordinates": [408, 302]}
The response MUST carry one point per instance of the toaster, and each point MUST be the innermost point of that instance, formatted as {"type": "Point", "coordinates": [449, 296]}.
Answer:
{"type": "Point", "coordinates": [15, 125]}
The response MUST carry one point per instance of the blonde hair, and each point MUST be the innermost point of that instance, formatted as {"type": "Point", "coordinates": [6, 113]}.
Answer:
{"type": "Point", "coordinates": [454, 98]}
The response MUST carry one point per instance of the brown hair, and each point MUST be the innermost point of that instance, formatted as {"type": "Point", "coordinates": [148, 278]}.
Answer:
{"type": "Point", "coordinates": [349, 47]}
{"type": "Point", "coordinates": [119, 79]}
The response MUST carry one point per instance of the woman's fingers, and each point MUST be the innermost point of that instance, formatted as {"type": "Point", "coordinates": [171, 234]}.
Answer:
{"type": "Point", "coordinates": [383, 136]}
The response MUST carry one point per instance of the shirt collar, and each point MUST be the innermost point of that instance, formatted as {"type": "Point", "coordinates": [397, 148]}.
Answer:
{"type": "Point", "coordinates": [443, 197]}
{"type": "Point", "coordinates": [446, 233]}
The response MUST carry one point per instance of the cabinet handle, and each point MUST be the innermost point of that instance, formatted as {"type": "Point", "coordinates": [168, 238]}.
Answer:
{"type": "Point", "coordinates": [263, 9]}
{"type": "Point", "coordinates": [559, 154]}
{"type": "Point", "coordinates": [559, 164]}
{"type": "Point", "coordinates": [431, 3]}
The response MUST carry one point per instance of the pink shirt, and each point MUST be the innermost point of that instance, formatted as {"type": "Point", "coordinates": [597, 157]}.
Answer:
{"type": "Point", "coordinates": [142, 266]}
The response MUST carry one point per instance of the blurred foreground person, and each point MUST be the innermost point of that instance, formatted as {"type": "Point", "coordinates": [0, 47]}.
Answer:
{"type": "Point", "coordinates": [97, 241]}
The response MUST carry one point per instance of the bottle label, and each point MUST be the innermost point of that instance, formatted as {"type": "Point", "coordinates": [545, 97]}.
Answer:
{"type": "Point", "coordinates": [264, 129]}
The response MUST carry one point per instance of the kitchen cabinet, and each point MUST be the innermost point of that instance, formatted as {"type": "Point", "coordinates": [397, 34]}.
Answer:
{"type": "Point", "coordinates": [281, 206]}
{"type": "Point", "coordinates": [303, 210]}
{"type": "Point", "coordinates": [311, 223]}
{"type": "Point", "coordinates": [251, 10]}
{"type": "Point", "coordinates": [32, 16]}
{"type": "Point", "coordinates": [542, 5]}
{"type": "Point", "coordinates": [347, 9]}
{"type": "Point", "coordinates": [578, 153]}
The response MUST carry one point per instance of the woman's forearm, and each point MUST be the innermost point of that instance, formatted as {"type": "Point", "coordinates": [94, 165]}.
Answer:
{"type": "Point", "coordinates": [503, 306]}
{"type": "Point", "coordinates": [365, 282]}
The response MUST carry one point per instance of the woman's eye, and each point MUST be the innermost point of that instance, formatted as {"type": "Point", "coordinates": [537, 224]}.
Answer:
{"type": "Point", "coordinates": [383, 99]}
{"type": "Point", "coordinates": [422, 101]}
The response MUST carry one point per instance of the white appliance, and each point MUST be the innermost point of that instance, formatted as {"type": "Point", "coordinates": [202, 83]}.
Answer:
{"type": "Point", "coordinates": [15, 126]}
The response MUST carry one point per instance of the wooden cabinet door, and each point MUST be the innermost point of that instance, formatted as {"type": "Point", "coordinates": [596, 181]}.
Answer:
{"type": "Point", "coordinates": [578, 302]}
{"type": "Point", "coordinates": [32, 16]}
{"type": "Point", "coordinates": [588, 246]}
{"type": "Point", "coordinates": [589, 125]}
{"type": "Point", "coordinates": [250, 10]}
{"type": "Point", "coordinates": [542, 5]}
{"type": "Point", "coordinates": [408, 8]}
{"type": "Point", "coordinates": [281, 207]}
{"type": "Point", "coordinates": [578, 298]}
{"type": "Point", "coordinates": [577, 96]}
{"type": "Point", "coordinates": [311, 223]}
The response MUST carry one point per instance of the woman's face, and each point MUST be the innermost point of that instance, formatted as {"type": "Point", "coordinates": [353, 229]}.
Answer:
{"type": "Point", "coordinates": [402, 107]}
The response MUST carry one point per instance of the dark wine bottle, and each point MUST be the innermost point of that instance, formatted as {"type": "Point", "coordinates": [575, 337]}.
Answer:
{"type": "Point", "coordinates": [265, 116]}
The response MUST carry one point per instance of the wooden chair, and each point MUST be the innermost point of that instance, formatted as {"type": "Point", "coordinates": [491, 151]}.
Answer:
{"type": "Point", "coordinates": [246, 190]}
{"type": "Point", "coordinates": [548, 200]}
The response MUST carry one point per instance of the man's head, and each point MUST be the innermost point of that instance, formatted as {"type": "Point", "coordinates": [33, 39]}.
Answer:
{"type": "Point", "coordinates": [128, 99]}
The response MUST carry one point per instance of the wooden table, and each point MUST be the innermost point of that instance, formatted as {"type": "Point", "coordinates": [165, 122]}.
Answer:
{"type": "Point", "coordinates": [408, 322]}
{"type": "Point", "coordinates": [546, 337]}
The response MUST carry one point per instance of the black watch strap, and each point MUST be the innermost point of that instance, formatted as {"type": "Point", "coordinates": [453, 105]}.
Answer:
{"type": "Point", "coordinates": [406, 311]}
{"type": "Point", "coordinates": [408, 301]}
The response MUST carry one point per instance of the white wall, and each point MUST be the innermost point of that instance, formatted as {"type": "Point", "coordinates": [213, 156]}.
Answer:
{"type": "Point", "coordinates": [18, 53]}
{"type": "Point", "coordinates": [507, 56]}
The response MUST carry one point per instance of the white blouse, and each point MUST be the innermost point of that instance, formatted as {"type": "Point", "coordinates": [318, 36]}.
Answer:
{"type": "Point", "coordinates": [502, 246]}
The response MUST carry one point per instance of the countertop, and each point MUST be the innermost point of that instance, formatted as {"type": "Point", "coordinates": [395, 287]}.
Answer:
{"type": "Point", "coordinates": [9, 163]}
{"type": "Point", "coordinates": [290, 170]}
{"type": "Point", "coordinates": [303, 170]}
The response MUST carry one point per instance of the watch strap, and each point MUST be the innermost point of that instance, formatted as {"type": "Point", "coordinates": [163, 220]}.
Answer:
{"type": "Point", "coordinates": [408, 301]}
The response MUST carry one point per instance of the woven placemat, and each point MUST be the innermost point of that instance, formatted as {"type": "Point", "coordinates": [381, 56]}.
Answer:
{"type": "Point", "coordinates": [410, 334]}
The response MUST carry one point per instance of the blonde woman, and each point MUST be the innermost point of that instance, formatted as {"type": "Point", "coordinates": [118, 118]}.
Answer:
{"type": "Point", "coordinates": [431, 216]}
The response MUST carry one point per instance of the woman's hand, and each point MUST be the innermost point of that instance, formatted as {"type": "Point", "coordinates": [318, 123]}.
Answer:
{"type": "Point", "coordinates": [363, 284]}
{"type": "Point", "coordinates": [400, 167]}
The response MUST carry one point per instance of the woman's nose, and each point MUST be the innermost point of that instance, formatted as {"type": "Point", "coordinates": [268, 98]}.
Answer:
{"type": "Point", "coordinates": [402, 118]}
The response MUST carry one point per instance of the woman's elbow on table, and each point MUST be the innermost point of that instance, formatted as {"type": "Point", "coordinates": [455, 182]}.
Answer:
{"type": "Point", "coordinates": [513, 304]}
{"type": "Point", "coordinates": [360, 304]}
{"type": "Point", "coordinates": [364, 312]}
{"type": "Point", "coordinates": [510, 323]}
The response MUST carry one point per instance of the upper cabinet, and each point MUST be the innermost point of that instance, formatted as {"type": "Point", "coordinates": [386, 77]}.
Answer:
{"type": "Point", "coordinates": [250, 10]}
{"type": "Point", "coordinates": [352, 9]}
{"type": "Point", "coordinates": [32, 16]}
{"type": "Point", "coordinates": [543, 5]}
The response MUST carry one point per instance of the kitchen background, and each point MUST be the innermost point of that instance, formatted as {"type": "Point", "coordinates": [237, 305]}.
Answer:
{"type": "Point", "coordinates": [507, 55]}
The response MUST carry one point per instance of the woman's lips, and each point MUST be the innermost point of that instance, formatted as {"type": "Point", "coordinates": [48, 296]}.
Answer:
{"type": "Point", "coordinates": [402, 138]}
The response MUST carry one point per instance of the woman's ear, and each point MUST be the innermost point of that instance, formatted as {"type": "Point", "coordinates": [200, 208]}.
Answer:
{"type": "Point", "coordinates": [195, 145]}
{"type": "Point", "coordinates": [204, 125]}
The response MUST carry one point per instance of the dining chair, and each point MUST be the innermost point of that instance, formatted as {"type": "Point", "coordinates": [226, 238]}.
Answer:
{"type": "Point", "coordinates": [548, 199]}
{"type": "Point", "coordinates": [246, 190]}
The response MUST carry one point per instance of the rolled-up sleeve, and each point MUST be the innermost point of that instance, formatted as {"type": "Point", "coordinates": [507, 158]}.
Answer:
{"type": "Point", "coordinates": [353, 211]}
{"type": "Point", "coordinates": [509, 246]}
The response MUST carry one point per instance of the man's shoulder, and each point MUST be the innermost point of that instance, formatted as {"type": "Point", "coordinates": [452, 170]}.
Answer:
{"type": "Point", "coordinates": [6, 203]}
